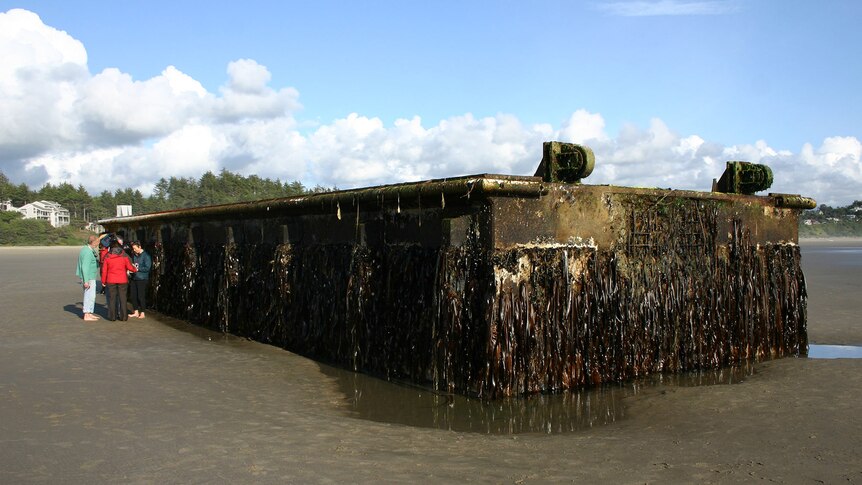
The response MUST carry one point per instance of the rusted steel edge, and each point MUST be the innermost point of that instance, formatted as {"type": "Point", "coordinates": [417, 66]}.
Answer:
{"type": "Point", "coordinates": [439, 192]}
{"type": "Point", "coordinates": [789, 201]}
{"type": "Point", "coordinates": [793, 201]}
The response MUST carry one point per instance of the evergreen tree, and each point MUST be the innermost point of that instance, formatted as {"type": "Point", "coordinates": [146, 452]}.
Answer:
{"type": "Point", "coordinates": [17, 194]}
{"type": "Point", "coordinates": [172, 193]}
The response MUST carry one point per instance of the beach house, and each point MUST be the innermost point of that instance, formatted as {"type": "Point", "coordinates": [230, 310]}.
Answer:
{"type": "Point", "coordinates": [47, 210]}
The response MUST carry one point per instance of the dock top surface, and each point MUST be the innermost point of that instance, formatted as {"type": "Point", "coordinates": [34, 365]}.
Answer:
{"type": "Point", "coordinates": [454, 190]}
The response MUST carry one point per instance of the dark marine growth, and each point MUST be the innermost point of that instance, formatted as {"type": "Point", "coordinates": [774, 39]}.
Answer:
{"type": "Point", "coordinates": [493, 285]}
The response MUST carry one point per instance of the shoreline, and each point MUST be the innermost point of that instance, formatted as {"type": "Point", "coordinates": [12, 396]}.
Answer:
{"type": "Point", "coordinates": [831, 241]}
{"type": "Point", "coordinates": [40, 247]}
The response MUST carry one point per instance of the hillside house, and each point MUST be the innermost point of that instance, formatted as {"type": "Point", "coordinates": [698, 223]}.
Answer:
{"type": "Point", "coordinates": [46, 210]}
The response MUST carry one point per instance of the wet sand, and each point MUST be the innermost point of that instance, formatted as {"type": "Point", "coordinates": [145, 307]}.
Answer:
{"type": "Point", "coordinates": [833, 273]}
{"type": "Point", "coordinates": [161, 401]}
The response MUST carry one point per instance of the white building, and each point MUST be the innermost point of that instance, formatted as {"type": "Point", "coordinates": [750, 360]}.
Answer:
{"type": "Point", "coordinates": [6, 205]}
{"type": "Point", "coordinates": [124, 210]}
{"type": "Point", "coordinates": [94, 227]}
{"type": "Point", "coordinates": [46, 210]}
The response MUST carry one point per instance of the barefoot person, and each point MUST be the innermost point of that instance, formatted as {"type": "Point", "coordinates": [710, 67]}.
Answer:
{"type": "Point", "coordinates": [139, 280]}
{"type": "Point", "coordinates": [88, 271]}
{"type": "Point", "coordinates": [116, 279]}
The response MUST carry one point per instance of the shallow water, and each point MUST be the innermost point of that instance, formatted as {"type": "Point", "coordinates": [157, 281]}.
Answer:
{"type": "Point", "coordinates": [845, 255]}
{"type": "Point", "coordinates": [834, 352]}
{"type": "Point", "coordinates": [373, 399]}
{"type": "Point", "coordinates": [833, 274]}
{"type": "Point", "coordinates": [369, 398]}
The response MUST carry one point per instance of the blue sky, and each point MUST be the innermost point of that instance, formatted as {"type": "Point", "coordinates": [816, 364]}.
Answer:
{"type": "Point", "coordinates": [719, 79]}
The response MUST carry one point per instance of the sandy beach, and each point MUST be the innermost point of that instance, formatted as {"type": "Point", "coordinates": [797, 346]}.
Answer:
{"type": "Point", "coordinates": [161, 401]}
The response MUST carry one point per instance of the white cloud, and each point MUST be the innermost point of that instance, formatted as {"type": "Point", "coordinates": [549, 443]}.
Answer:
{"type": "Point", "coordinates": [270, 148]}
{"type": "Point", "coordinates": [188, 152]}
{"type": "Point", "coordinates": [113, 107]}
{"type": "Point", "coordinates": [247, 95]}
{"type": "Point", "coordinates": [30, 45]}
{"type": "Point", "coordinates": [689, 146]}
{"type": "Point", "coordinates": [583, 127]}
{"type": "Point", "coordinates": [247, 76]}
{"type": "Point", "coordinates": [833, 172]}
{"type": "Point", "coordinates": [110, 131]}
{"type": "Point", "coordinates": [361, 151]}
{"type": "Point", "coordinates": [39, 71]}
{"type": "Point", "coordinates": [76, 166]}
{"type": "Point", "coordinates": [643, 8]}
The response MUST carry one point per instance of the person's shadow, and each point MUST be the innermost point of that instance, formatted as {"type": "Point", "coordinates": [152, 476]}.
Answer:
{"type": "Point", "coordinates": [77, 309]}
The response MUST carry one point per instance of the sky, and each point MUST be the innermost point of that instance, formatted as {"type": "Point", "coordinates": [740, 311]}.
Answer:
{"type": "Point", "coordinates": [111, 94]}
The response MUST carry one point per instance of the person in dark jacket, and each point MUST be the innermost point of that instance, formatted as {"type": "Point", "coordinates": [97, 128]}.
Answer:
{"type": "Point", "coordinates": [116, 280]}
{"type": "Point", "coordinates": [139, 280]}
{"type": "Point", "coordinates": [104, 246]}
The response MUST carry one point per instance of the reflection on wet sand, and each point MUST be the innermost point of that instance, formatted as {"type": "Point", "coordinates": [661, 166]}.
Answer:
{"type": "Point", "coordinates": [377, 400]}
{"type": "Point", "coordinates": [834, 352]}
{"type": "Point", "coordinates": [369, 398]}
{"type": "Point", "coordinates": [832, 274]}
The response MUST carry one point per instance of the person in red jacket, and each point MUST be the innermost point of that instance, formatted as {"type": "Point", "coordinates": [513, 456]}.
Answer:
{"type": "Point", "coordinates": [116, 279]}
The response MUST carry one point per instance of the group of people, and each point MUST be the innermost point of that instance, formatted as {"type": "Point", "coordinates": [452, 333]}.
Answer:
{"type": "Point", "coordinates": [124, 273]}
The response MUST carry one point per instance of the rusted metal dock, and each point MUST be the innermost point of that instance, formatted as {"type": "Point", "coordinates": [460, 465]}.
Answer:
{"type": "Point", "coordinates": [496, 285]}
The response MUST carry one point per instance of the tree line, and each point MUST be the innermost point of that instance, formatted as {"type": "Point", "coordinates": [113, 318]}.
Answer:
{"type": "Point", "coordinates": [827, 221]}
{"type": "Point", "coordinates": [171, 193]}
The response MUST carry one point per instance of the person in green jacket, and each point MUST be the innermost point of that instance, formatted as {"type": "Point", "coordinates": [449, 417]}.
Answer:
{"type": "Point", "coordinates": [88, 271]}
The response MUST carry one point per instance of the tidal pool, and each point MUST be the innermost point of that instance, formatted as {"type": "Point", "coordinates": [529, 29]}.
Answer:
{"type": "Point", "coordinates": [374, 399]}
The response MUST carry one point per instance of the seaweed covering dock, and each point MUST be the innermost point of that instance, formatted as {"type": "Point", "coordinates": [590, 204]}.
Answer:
{"type": "Point", "coordinates": [492, 285]}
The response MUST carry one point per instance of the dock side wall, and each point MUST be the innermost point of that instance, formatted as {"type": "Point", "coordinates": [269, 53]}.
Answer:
{"type": "Point", "coordinates": [620, 283]}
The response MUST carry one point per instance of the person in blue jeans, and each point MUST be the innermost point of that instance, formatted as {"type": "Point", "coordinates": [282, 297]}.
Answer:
{"type": "Point", "coordinates": [140, 280]}
{"type": "Point", "coordinates": [88, 271]}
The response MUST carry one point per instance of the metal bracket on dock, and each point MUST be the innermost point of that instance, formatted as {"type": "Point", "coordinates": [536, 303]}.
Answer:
{"type": "Point", "coordinates": [565, 162]}
{"type": "Point", "coordinates": [743, 178]}
{"type": "Point", "coordinates": [793, 201]}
